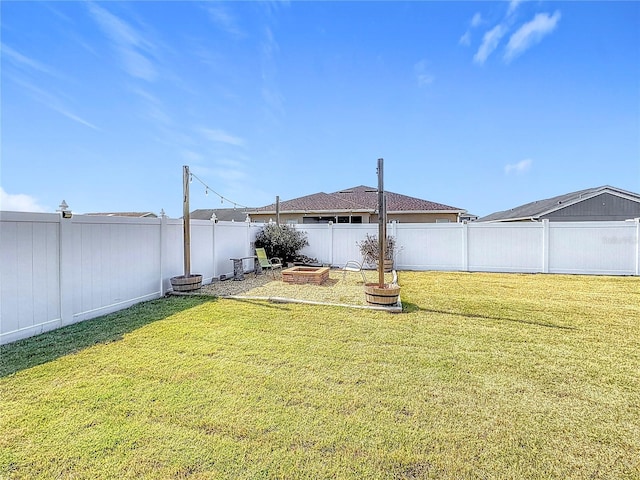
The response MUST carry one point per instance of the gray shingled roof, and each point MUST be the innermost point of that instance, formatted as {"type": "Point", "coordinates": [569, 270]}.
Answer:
{"type": "Point", "coordinates": [125, 214]}
{"type": "Point", "coordinates": [356, 199]}
{"type": "Point", "coordinates": [222, 214]}
{"type": "Point", "coordinates": [534, 210]}
{"type": "Point", "coordinates": [316, 202]}
{"type": "Point", "coordinates": [396, 202]}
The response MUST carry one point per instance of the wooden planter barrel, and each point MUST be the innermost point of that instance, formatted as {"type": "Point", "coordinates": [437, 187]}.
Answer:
{"type": "Point", "coordinates": [388, 265]}
{"type": "Point", "coordinates": [387, 295]}
{"type": "Point", "coordinates": [186, 283]}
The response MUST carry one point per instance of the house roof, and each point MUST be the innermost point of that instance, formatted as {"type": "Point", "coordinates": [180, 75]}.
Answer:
{"type": "Point", "coordinates": [356, 199]}
{"type": "Point", "coordinates": [222, 214]}
{"type": "Point", "coordinates": [125, 214]}
{"type": "Point", "coordinates": [317, 202]}
{"type": "Point", "coordinates": [534, 210]}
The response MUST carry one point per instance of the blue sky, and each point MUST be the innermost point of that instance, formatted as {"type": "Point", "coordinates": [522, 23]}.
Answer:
{"type": "Point", "coordinates": [478, 105]}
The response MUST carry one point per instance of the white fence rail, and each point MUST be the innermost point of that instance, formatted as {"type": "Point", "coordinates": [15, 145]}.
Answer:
{"type": "Point", "coordinates": [592, 248]}
{"type": "Point", "coordinates": [55, 271]}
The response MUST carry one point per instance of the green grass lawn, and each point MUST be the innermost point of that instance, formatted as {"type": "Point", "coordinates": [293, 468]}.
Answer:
{"type": "Point", "coordinates": [484, 376]}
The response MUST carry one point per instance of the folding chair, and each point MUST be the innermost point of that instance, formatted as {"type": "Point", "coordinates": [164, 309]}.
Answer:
{"type": "Point", "coordinates": [268, 263]}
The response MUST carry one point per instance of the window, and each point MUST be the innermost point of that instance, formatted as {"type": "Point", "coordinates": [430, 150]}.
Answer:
{"type": "Point", "coordinates": [354, 219]}
{"type": "Point", "coordinates": [341, 219]}
{"type": "Point", "coordinates": [318, 219]}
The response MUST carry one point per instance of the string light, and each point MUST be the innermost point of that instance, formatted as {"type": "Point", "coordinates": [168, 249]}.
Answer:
{"type": "Point", "coordinates": [208, 189]}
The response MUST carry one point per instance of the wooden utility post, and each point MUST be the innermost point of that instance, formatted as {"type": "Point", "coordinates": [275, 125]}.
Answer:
{"type": "Point", "coordinates": [382, 223]}
{"type": "Point", "coordinates": [186, 220]}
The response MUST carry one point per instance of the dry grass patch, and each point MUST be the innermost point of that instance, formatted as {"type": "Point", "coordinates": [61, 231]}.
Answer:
{"type": "Point", "coordinates": [339, 289]}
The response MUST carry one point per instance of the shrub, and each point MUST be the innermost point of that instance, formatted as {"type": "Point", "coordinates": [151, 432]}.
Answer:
{"type": "Point", "coordinates": [281, 241]}
{"type": "Point", "coordinates": [370, 252]}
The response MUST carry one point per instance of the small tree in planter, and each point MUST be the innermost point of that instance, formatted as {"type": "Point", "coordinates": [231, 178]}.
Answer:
{"type": "Point", "coordinates": [281, 241]}
{"type": "Point", "coordinates": [369, 249]}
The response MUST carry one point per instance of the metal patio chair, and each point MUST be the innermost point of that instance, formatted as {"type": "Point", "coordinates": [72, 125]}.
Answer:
{"type": "Point", "coordinates": [353, 266]}
{"type": "Point", "coordinates": [272, 264]}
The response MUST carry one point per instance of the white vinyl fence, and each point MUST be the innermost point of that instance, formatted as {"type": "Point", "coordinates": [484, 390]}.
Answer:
{"type": "Point", "coordinates": [56, 271]}
{"type": "Point", "coordinates": [592, 248]}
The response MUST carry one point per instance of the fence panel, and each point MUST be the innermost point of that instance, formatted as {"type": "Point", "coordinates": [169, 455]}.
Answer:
{"type": "Point", "coordinates": [172, 251]}
{"type": "Point", "coordinates": [232, 240]}
{"type": "Point", "coordinates": [29, 277]}
{"type": "Point", "coordinates": [345, 241]}
{"type": "Point", "coordinates": [505, 247]}
{"type": "Point", "coordinates": [202, 255]}
{"type": "Point", "coordinates": [117, 261]}
{"type": "Point", "coordinates": [600, 248]}
{"type": "Point", "coordinates": [57, 271]}
{"type": "Point", "coordinates": [319, 241]}
{"type": "Point", "coordinates": [429, 247]}
{"type": "Point", "coordinates": [335, 244]}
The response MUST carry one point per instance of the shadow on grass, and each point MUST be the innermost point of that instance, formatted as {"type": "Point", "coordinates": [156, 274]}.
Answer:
{"type": "Point", "coordinates": [265, 303]}
{"type": "Point", "coordinates": [49, 346]}
{"type": "Point", "coordinates": [409, 307]}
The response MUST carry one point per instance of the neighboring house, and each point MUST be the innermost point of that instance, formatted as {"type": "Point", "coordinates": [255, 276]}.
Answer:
{"type": "Point", "coordinates": [126, 214]}
{"type": "Point", "coordinates": [468, 217]}
{"type": "Point", "coordinates": [593, 204]}
{"type": "Point", "coordinates": [222, 214]}
{"type": "Point", "coordinates": [356, 205]}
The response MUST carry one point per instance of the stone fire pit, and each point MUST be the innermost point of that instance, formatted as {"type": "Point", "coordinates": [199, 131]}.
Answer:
{"type": "Point", "coordinates": [304, 274]}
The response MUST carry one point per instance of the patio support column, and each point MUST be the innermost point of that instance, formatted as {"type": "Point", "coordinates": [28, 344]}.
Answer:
{"type": "Point", "coordinates": [637, 221]}
{"type": "Point", "coordinates": [545, 245]}
{"type": "Point", "coordinates": [394, 234]}
{"type": "Point", "coordinates": [213, 247]}
{"type": "Point", "coordinates": [330, 240]}
{"type": "Point", "coordinates": [67, 284]}
{"type": "Point", "coordinates": [163, 250]}
{"type": "Point", "coordinates": [465, 247]}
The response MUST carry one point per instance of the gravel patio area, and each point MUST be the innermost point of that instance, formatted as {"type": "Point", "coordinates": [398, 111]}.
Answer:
{"type": "Point", "coordinates": [340, 289]}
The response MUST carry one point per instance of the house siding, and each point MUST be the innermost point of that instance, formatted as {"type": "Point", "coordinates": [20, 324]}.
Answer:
{"type": "Point", "coordinates": [603, 207]}
{"type": "Point", "coordinates": [366, 217]}
{"type": "Point", "coordinates": [421, 217]}
{"type": "Point", "coordinates": [299, 217]}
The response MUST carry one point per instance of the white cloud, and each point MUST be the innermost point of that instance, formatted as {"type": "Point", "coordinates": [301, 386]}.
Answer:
{"type": "Point", "coordinates": [128, 42]}
{"type": "Point", "coordinates": [273, 100]}
{"type": "Point", "coordinates": [476, 20]}
{"type": "Point", "coordinates": [423, 75]}
{"type": "Point", "coordinates": [154, 108]}
{"type": "Point", "coordinates": [19, 59]}
{"type": "Point", "coordinates": [53, 102]}
{"type": "Point", "coordinates": [72, 116]}
{"type": "Point", "coordinates": [513, 5]}
{"type": "Point", "coordinates": [519, 168]}
{"type": "Point", "coordinates": [19, 202]}
{"type": "Point", "coordinates": [220, 136]}
{"type": "Point", "coordinates": [531, 33]}
{"type": "Point", "coordinates": [489, 43]}
{"type": "Point", "coordinates": [190, 156]}
{"type": "Point", "coordinates": [222, 18]}
{"type": "Point", "coordinates": [465, 39]}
